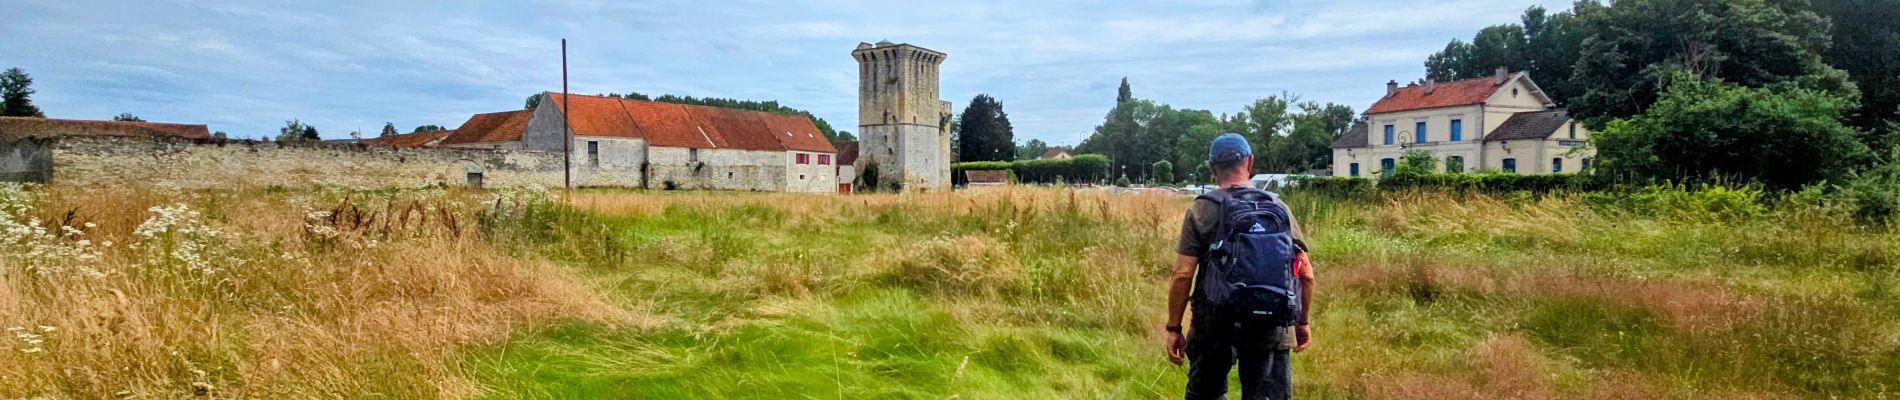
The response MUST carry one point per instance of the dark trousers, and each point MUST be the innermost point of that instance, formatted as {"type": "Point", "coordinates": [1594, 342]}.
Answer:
{"type": "Point", "coordinates": [1214, 346]}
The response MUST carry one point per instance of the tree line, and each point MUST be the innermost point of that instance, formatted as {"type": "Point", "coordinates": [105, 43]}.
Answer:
{"type": "Point", "coordinates": [1785, 93]}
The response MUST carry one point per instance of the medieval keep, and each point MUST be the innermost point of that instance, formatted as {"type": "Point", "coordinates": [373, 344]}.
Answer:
{"type": "Point", "coordinates": [903, 128]}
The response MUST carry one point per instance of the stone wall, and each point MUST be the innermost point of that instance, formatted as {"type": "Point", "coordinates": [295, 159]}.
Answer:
{"type": "Point", "coordinates": [718, 169]}
{"type": "Point", "coordinates": [113, 161]}
{"type": "Point", "coordinates": [26, 160]}
{"type": "Point", "coordinates": [616, 162]}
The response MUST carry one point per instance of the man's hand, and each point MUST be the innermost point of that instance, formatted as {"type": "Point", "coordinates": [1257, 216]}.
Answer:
{"type": "Point", "coordinates": [1302, 336]}
{"type": "Point", "coordinates": [1177, 347]}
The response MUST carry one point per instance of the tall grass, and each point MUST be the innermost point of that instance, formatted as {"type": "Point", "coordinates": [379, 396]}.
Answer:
{"type": "Point", "coordinates": [257, 294]}
{"type": "Point", "coordinates": [1012, 292]}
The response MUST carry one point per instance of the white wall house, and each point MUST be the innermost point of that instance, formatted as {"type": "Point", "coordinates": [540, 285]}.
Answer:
{"type": "Point", "coordinates": [1502, 122]}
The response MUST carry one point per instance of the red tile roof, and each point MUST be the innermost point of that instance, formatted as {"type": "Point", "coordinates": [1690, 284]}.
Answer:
{"type": "Point", "coordinates": [491, 127]}
{"type": "Point", "coordinates": [1445, 94]}
{"type": "Point", "coordinates": [692, 126]}
{"type": "Point", "coordinates": [847, 152]}
{"type": "Point", "coordinates": [46, 127]}
{"type": "Point", "coordinates": [415, 139]}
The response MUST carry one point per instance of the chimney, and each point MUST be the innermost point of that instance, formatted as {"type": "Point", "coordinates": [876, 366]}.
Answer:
{"type": "Point", "coordinates": [1391, 87]}
{"type": "Point", "coordinates": [1429, 85]}
{"type": "Point", "coordinates": [1502, 73]}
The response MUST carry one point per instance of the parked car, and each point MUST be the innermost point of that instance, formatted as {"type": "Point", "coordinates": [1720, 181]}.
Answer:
{"type": "Point", "coordinates": [1273, 182]}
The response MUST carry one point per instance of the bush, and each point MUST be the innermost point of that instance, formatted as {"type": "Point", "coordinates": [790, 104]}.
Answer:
{"type": "Point", "coordinates": [1161, 173]}
{"type": "Point", "coordinates": [1335, 186]}
{"type": "Point", "coordinates": [1086, 168]}
{"type": "Point", "coordinates": [1495, 183]}
{"type": "Point", "coordinates": [1122, 181]}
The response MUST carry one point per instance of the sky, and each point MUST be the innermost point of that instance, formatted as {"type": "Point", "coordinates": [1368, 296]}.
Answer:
{"type": "Point", "coordinates": [246, 67]}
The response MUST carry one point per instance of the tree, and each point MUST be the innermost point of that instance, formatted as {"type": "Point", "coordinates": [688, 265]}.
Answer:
{"type": "Point", "coordinates": [1031, 150]}
{"type": "Point", "coordinates": [1543, 44]}
{"type": "Point", "coordinates": [293, 131]}
{"type": "Point", "coordinates": [533, 100]}
{"type": "Point", "coordinates": [1265, 120]}
{"type": "Point", "coordinates": [1162, 173]}
{"type": "Point", "coordinates": [1124, 94]}
{"type": "Point", "coordinates": [16, 95]}
{"type": "Point", "coordinates": [1632, 46]}
{"type": "Point", "coordinates": [984, 132]}
{"type": "Point", "coordinates": [310, 134]}
{"type": "Point", "coordinates": [1866, 44]}
{"type": "Point", "coordinates": [389, 129]}
{"type": "Point", "coordinates": [1782, 136]}
{"type": "Point", "coordinates": [1415, 163]}
{"type": "Point", "coordinates": [127, 117]}
{"type": "Point", "coordinates": [844, 136]}
{"type": "Point", "coordinates": [429, 128]}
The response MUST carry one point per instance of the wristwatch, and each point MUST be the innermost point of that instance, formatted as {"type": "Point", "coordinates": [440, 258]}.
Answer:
{"type": "Point", "coordinates": [1174, 328]}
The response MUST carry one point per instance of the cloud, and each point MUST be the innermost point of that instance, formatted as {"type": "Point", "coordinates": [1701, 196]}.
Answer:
{"type": "Point", "coordinates": [245, 68]}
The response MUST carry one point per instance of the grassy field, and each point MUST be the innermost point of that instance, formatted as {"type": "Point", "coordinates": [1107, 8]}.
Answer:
{"type": "Point", "coordinates": [1004, 293]}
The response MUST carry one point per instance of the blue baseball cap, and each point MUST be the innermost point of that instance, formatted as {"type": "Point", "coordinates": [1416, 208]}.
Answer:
{"type": "Point", "coordinates": [1228, 147]}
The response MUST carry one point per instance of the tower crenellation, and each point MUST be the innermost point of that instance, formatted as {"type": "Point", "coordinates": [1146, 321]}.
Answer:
{"type": "Point", "coordinates": [901, 121]}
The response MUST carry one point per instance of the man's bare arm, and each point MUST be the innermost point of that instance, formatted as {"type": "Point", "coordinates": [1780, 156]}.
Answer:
{"type": "Point", "coordinates": [1178, 287]}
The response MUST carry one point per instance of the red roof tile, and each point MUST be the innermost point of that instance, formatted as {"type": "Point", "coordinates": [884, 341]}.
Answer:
{"type": "Point", "coordinates": [25, 126]}
{"type": "Point", "coordinates": [1446, 94]}
{"type": "Point", "coordinates": [597, 116]}
{"type": "Point", "coordinates": [692, 126]}
{"type": "Point", "coordinates": [415, 139]}
{"type": "Point", "coordinates": [847, 152]}
{"type": "Point", "coordinates": [491, 127]}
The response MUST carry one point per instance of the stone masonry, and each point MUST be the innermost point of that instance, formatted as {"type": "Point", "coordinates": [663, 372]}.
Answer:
{"type": "Point", "coordinates": [901, 121]}
{"type": "Point", "coordinates": [187, 164]}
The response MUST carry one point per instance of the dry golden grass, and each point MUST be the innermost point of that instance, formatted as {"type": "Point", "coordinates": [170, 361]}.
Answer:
{"type": "Point", "coordinates": [290, 307]}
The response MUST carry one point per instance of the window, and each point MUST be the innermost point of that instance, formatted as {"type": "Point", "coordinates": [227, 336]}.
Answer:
{"type": "Point", "coordinates": [804, 159]}
{"type": "Point", "coordinates": [1510, 165]}
{"type": "Point", "coordinates": [1386, 166]}
{"type": "Point", "coordinates": [824, 159]}
{"type": "Point", "coordinates": [1388, 134]}
{"type": "Point", "coordinates": [1556, 165]}
{"type": "Point", "coordinates": [1355, 169]}
{"type": "Point", "coordinates": [1573, 130]}
{"type": "Point", "coordinates": [692, 155]}
{"type": "Point", "coordinates": [1419, 135]}
{"type": "Point", "coordinates": [1454, 164]}
{"type": "Point", "coordinates": [1586, 164]}
{"type": "Point", "coordinates": [593, 153]}
{"type": "Point", "coordinates": [1457, 130]}
{"type": "Point", "coordinates": [475, 180]}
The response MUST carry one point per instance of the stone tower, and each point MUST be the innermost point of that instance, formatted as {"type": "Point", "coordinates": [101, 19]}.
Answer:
{"type": "Point", "coordinates": [903, 128]}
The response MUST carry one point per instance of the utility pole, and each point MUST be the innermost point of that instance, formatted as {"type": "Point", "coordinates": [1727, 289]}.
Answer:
{"type": "Point", "coordinates": [567, 132]}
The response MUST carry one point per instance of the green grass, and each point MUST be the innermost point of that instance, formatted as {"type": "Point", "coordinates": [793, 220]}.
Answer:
{"type": "Point", "coordinates": [1046, 294]}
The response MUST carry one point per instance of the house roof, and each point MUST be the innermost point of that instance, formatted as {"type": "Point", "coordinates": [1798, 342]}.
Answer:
{"type": "Point", "coordinates": [413, 139]}
{"type": "Point", "coordinates": [1443, 94]}
{"type": "Point", "coordinates": [1353, 138]}
{"type": "Point", "coordinates": [491, 127]}
{"type": "Point", "coordinates": [1530, 125]}
{"type": "Point", "coordinates": [1053, 153]}
{"type": "Point", "coordinates": [47, 127]}
{"type": "Point", "coordinates": [847, 152]}
{"type": "Point", "coordinates": [691, 126]}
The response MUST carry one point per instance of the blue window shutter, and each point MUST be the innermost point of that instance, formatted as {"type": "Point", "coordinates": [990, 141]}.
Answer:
{"type": "Point", "coordinates": [1419, 136]}
{"type": "Point", "coordinates": [1510, 165]}
{"type": "Point", "coordinates": [1388, 134]}
{"type": "Point", "coordinates": [1556, 165]}
{"type": "Point", "coordinates": [1355, 169]}
{"type": "Point", "coordinates": [1457, 130]}
{"type": "Point", "coordinates": [1386, 165]}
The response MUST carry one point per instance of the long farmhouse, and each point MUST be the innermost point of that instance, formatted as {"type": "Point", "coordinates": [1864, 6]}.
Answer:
{"type": "Point", "coordinates": [1499, 123]}
{"type": "Point", "coordinates": [636, 143]}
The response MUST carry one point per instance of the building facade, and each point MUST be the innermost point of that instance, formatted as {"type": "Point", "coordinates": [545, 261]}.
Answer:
{"type": "Point", "coordinates": [1500, 123]}
{"type": "Point", "coordinates": [902, 125]}
{"type": "Point", "coordinates": [634, 143]}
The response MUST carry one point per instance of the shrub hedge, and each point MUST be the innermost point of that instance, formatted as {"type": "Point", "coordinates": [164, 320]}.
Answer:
{"type": "Point", "coordinates": [1467, 183]}
{"type": "Point", "coordinates": [1086, 168]}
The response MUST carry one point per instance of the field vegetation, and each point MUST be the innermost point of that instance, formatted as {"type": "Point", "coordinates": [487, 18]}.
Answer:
{"type": "Point", "coordinates": [999, 293]}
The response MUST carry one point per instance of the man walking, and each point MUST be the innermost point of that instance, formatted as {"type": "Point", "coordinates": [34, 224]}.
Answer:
{"type": "Point", "coordinates": [1244, 257]}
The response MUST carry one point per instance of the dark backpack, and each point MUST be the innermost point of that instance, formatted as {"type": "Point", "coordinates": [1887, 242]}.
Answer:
{"type": "Point", "coordinates": [1248, 269]}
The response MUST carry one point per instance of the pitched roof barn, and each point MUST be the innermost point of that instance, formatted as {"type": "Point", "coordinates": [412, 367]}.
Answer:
{"type": "Point", "coordinates": [48, 127]}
